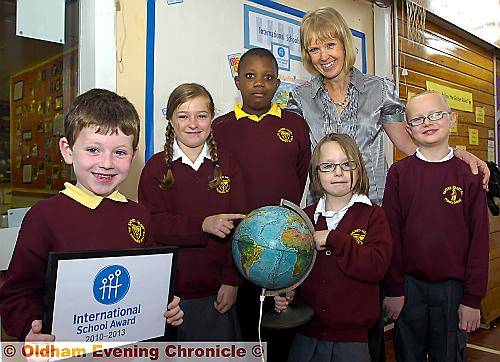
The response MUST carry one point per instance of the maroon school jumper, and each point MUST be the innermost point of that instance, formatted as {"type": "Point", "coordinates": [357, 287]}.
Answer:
{"type": "Point", "coordinates": [439, 222]}
{"type": "Point", "coordinates": [273, 154]}
{"type": "Point", "coordinates": [343, 286]}
{"type": "Point", "coordinates": [62, 224]}
{"type": "Point", "coordinates": [177, 216]}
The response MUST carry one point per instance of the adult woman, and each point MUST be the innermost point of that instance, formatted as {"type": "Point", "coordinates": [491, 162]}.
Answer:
{"type": "Point", "coordinates": [341, 99]}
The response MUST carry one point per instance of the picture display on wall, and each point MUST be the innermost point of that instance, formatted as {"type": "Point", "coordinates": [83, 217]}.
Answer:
{"type": "Point", "coordinates": [18, 91]}
{"type": "Point", "coordinates": [37, 102]}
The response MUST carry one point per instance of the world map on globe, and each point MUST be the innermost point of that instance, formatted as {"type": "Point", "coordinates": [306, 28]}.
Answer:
{"type": "Point", "coordinates": [273, 247]}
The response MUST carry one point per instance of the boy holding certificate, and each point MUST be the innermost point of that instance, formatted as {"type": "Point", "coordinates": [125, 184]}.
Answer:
{"type": "Point", "coordinates": [101, 138]}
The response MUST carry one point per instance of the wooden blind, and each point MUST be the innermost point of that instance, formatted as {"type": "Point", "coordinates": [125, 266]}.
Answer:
{"type": "Point", "coordinates": [448, 59]}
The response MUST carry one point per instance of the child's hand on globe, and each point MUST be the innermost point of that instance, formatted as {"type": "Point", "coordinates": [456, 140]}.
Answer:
{"type": "Point", "coordinates": [281, 303]}
{"type": "Point", "coordinates": [220, 225]}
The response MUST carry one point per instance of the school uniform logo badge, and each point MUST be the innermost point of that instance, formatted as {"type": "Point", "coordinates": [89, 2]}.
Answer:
{"type": "Point", "coordinates": [224, 185]}
{"type": "Point", "coordinates": [136, 230]}
{"type": "Point", "coordinates": [358, 235]}
{"type": "Point", "coordinates": [285, 135]}
{"type": "Point", "coordinates": [453, 195]}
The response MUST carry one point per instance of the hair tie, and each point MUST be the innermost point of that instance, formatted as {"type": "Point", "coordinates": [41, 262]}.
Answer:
{"type": "Point", "coordinates": [169, 165]}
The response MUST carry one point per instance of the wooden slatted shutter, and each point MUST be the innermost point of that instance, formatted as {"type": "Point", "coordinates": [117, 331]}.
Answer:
{"type": "Point", "coordinates": [446, 58]}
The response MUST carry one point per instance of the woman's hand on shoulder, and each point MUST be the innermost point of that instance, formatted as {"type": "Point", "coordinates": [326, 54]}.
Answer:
{"type": "Point", "coordinates": [220, 225]}
{"type": "Point", "coordinates": [475, 164]}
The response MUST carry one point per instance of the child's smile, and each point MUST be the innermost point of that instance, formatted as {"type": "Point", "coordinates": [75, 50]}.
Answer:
{"type": "Point", "coordinates": [430, 133]}
{"type": "Point", "coordinates": [101, 161]}
{"type": "Point", "coordinates": [192, 122]}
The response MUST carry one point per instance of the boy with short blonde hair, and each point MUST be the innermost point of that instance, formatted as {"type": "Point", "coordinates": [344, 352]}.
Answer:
{"type": "Point", "coordinates": [439, 223]}
{"type": "Point", "coordinates": [101, 137]}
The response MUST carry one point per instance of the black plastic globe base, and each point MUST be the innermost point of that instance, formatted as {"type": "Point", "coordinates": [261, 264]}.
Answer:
{"type": "Point", "coordinates": [291, 317]}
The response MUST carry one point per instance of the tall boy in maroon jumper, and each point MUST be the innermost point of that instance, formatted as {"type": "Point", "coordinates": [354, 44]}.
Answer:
{"type": "Point", "coordinates": [272, 148]}
{"type": "Point", "coordinates": [439, 222]}
{"type": "Point", "coordinates": [101, 137]}
{"type": "Point", "coordinates": [271, 144]}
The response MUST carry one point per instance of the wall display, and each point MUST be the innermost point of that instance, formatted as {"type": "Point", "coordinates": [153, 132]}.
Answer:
{"type": "Point", "coordinates": [480, 114]}
{"type": "Point", "coordinates": [27, 173]}
{"type": "Point", "coordinates": [58, 103]}
{"type": "Point", "coordinates": [232, 27]}
{"type": "Point", "coordinates": [234, 60]}
{"type": "Point", "coordinates": [26, 135]}
{"type": "Point", "coordinates": [36, 102]}
{"type": "Point", "coordinates": [457, 99]}
{"type": "Point", "coordinates": [473, 136]}
{"type": "Point", "coordinates": [18, 91]}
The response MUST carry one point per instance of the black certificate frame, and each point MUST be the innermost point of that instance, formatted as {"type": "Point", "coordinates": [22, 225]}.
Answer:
{"type": "Point", "coordinates": [53, 263]}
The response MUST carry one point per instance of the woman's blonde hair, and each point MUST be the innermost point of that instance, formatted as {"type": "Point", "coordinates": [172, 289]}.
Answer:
{"type": "Point", "coordinates": [351, 150]}
{"type": "Point", "coordinates": [324, 24]}
{"type": "Point", "coordinates": [180, 95]}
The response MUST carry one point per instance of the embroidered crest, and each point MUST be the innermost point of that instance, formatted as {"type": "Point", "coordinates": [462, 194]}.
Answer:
{"type": "Point", "coordinates": [285, 135]}
{"type": "Point", "coordinates": [358, 235]}
{"type": "Point", "coordinates": [453, 195]}
{"type": "Point", "coordinates": [136, 230]}
{"type": "Point", "coordinates": [224, 185]}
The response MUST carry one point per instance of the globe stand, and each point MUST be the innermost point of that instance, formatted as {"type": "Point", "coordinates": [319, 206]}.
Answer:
{"type": "Point", "coordinates": [291, 317]}
{"type": "Point", "coordinates": [294, 315]}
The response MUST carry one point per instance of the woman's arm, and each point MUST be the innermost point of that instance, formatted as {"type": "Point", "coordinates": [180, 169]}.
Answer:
{"type": "Point", "coordinates": [400, 137]}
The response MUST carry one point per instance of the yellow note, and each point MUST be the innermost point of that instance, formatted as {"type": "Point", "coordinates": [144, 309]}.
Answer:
{"type": "Point", "coordinates": [460, 147]}
{"type": "Point", "coordinates": [473, 136]}
{"type": "Point", "coordinates": [7, 196]}
{"type": "Point", "coordinates": [479, 114]}
{"type": "Point", "coordinates": [457, 99]}
{"type": "Point", "coordinates": [410, 95]}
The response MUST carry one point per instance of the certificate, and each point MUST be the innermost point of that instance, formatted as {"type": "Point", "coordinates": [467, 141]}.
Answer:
{"type": "Point", "coordinates": [109, 296]}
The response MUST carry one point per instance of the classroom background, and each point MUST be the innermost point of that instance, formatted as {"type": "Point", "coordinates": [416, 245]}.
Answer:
{"type": "Point", "coordinates": [53, 51]}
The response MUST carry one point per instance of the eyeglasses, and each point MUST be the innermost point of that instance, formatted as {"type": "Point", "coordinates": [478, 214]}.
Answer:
{"type": "Point", "coordinates": [434, 116]}
{"type": "Point", "coordinates": [330, 167]}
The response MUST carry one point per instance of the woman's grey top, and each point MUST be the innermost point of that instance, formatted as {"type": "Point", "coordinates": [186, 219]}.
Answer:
{"type": "Point", "coordinates": [372, 102]}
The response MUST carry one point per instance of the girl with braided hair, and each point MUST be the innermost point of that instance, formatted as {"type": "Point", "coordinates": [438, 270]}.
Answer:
{"type": "Point", "coordinates": [195, 193]}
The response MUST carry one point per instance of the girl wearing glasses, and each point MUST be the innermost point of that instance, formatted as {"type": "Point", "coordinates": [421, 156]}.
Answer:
{"type": "Point", "coordinates": [354, 244]}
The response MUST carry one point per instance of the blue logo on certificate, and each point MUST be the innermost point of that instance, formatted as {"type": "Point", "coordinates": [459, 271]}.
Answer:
{"type": "Point", "coordinates": [111, 284]}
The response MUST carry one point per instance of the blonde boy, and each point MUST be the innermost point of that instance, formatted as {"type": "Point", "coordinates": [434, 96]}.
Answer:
{"type": "Point", "coordinates": [438, 216]}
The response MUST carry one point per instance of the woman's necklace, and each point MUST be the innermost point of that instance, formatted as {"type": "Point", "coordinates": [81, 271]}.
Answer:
{"type": "Point", "coordinates": [344, 102]}
{"type": "Point", "coordinates": [343, 117]}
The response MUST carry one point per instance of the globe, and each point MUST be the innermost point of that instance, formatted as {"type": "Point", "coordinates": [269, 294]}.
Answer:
{"type": "Point", "coordinates": [273, 247]}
